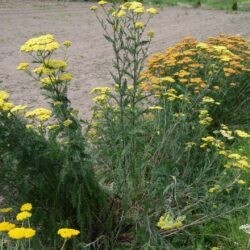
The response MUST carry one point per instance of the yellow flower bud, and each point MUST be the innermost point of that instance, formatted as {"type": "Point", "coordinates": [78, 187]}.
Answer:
{"type": "Point", "coordinates": [94, 8]}
{"type": "Point", "coordinates": [152, 11]}
{"type": "Point", "coordinates": [151, 34]}
{"type": "Point", "coordinates": [22, 66]}
{"type": "Point", "coordinates": [102, 2]}
{"type": "Point", "coordinates": [67, 43]}
{"type": "Point", "coordinates": [139, 25]}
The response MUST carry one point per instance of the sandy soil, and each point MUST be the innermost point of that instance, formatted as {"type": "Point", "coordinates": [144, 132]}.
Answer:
{"type": "Point", "coordinates": [90, 55]}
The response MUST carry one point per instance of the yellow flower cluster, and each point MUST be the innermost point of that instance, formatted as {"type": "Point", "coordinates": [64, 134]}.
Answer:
{"type": "Point", "coordinates": [171, 95]}
{"type": "Point", "coordinates": [101, 99]}
{"type": "Point", "coordinates": [65, 77]}
{"type": "Point", "coordinates": [6, 210]}
{"type": "Point", "coordinates": [184, 62]}
{"type": "Point", "coordinates": [19, 233]}
{"type": "Point", "coordinates": [102, 2]}
{"type": "Point", "coordinates": [23, 215]}
{"type": "Point", "coordinates": [41, 114]}
{"type": "Point", "coordinates": [102, 95]}
{"type": "Point", "coordinates": [25, 212]}
{"type": "Point", "coordinates": [167, 79]}
{"type": "Point", "coordinates": [216, 188]}
{"type": "Point", "coordinates": [151, 33]}
{"type": "Point", "coordinates": [52, 80]}
{"type": "Point", "coordinates": [139, 25]}
{"type": "Point", "coordinates": [68, 233]}
{"type": "Point", "coordinates": [41, 43]}
{"type": "Point", "coordinates": [209, 100]}
{"type": "Point", "coordinates": [133, 6]}
{"type": "Point", "coordinates": [100, 90]}
{"type": "Point", "coordinates": [22, 66]}
{"type": "Point", "coordinates": [211, 141]}
{"type": "Point", "coordinates": [18, 109]}
{"type": "Point", "coordinates": [155, 108]}
{"type": "Point", "coordinates": [6, 226]}
{"type": "Point", "coordinates": [235, 160]}
{"type": "Point", "coordinates": [119, 13]}
{"type": "Point", "coordinates": [55, 64]}
{"type": "Point", "coordinates": [14, 232]}
{"type": "Point", "coordinates": [26, 207]}
{"type": "Point", "coordinates": [43, 70]}
{"type": "Point", "coordinates": [241, 182]}
{"type": "Point", "coordinates": [51, 71]}
{"type": "Point", "coordinates": [9, 107]}
{"type": "Point", "coordinates": [4, 95]}
{"type": "Point", "coordinates": [204, 118]}
{"type": "Point", "coordinates": [67, 123]}
{"type": "Point", "coordinates": [241, 133]}
{"type": "Point", "coordinates": [152, 11]}
{"type": "Point", "coordinates": [215, 248]}
{"type": "Point", "coordinates": [4, 104]}
{"type": "Point", "coordinates": [67, 43]}
{"type": "Point", "coordinates": [47, 81]}
{"type": "Point", "coordinates": [93, 8]}
{"type": "Point", "coordinates": [167, 222]}
{"type": "Point", "coordinates": [225, 132]}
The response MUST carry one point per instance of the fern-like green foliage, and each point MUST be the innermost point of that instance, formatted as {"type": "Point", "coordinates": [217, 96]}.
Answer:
{"type": "Point", "coordinates": [57, 179]}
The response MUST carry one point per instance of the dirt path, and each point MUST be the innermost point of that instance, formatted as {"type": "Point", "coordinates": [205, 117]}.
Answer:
{"type": "Point", "coordinates": [90, 56]}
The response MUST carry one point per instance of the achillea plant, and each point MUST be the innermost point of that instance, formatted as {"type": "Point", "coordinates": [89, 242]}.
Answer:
{"type": "Point", "coordinates": [179, 99]}
{"type": "Point", "coordinates": [218, 68]}
{"type": "Point", "coordinates": [46, 149]}
{"type": "Point", "coordinates": [18, 235]}
{"type": "Point", "coordinates": [117, 123]}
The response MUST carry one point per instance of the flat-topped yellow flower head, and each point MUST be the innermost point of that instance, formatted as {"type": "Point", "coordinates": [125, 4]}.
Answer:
{"type": "Point", "coordinates": [55, 64]}
{"type": "Point", "coordinates": [26, 207]}
{"type": "Point", "coordinates": [152, 11]}
{"type": "Point", "coordinates": [4, 95]}
{"type": "Point", "coordinates": [102, 3]}
{"type": "Point", "coordinates": [67, 43]}
{"type": "Point", "coordinates": [23, 215]}
{"type": "Point", "coordinates": [93, 8]}
{"type": "Point", "coordinates": [68, 233]}
{"type": "Point", "coordinates": [41, 114]}
{"type": "Point", "coordinates": [19, 233]}
{"type": "Point", "coordinates": [22, 66]}
{"type": "Point", "coordinates": [6, 210]}
{"type": "Point", "coordinates": [139, 25]}
{"type": "Point", "coordinates": [6, 226]}
{"type": "Point", "coordinates": [41, 43]}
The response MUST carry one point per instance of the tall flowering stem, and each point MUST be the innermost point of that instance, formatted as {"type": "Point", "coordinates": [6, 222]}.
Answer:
{"type": "Point", "coordinates": [53, 76]}
{"type": "Point", "coordinates": [75, 176]}
{"type": "Point", "coordinates": [126, 29]}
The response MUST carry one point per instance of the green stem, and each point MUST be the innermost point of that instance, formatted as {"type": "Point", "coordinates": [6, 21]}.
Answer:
{"type": "Point", "coordinates": [17, 245]}
{"type": "Point", "coordinates": [2, 242]}
{"type": "Point", "coordinates": [64, 243]}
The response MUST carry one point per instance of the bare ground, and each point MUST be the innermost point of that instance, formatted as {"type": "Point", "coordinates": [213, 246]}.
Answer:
{"type": "Point", "coordinates": [90, 55]}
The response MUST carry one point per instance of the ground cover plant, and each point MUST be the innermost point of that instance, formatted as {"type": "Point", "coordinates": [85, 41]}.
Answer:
{"type": "Point", "coordinates": [162, 162]}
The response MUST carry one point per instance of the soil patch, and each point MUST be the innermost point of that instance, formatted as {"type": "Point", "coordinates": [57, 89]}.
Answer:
{"type": "Point", "coordinates": [90, 56]}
